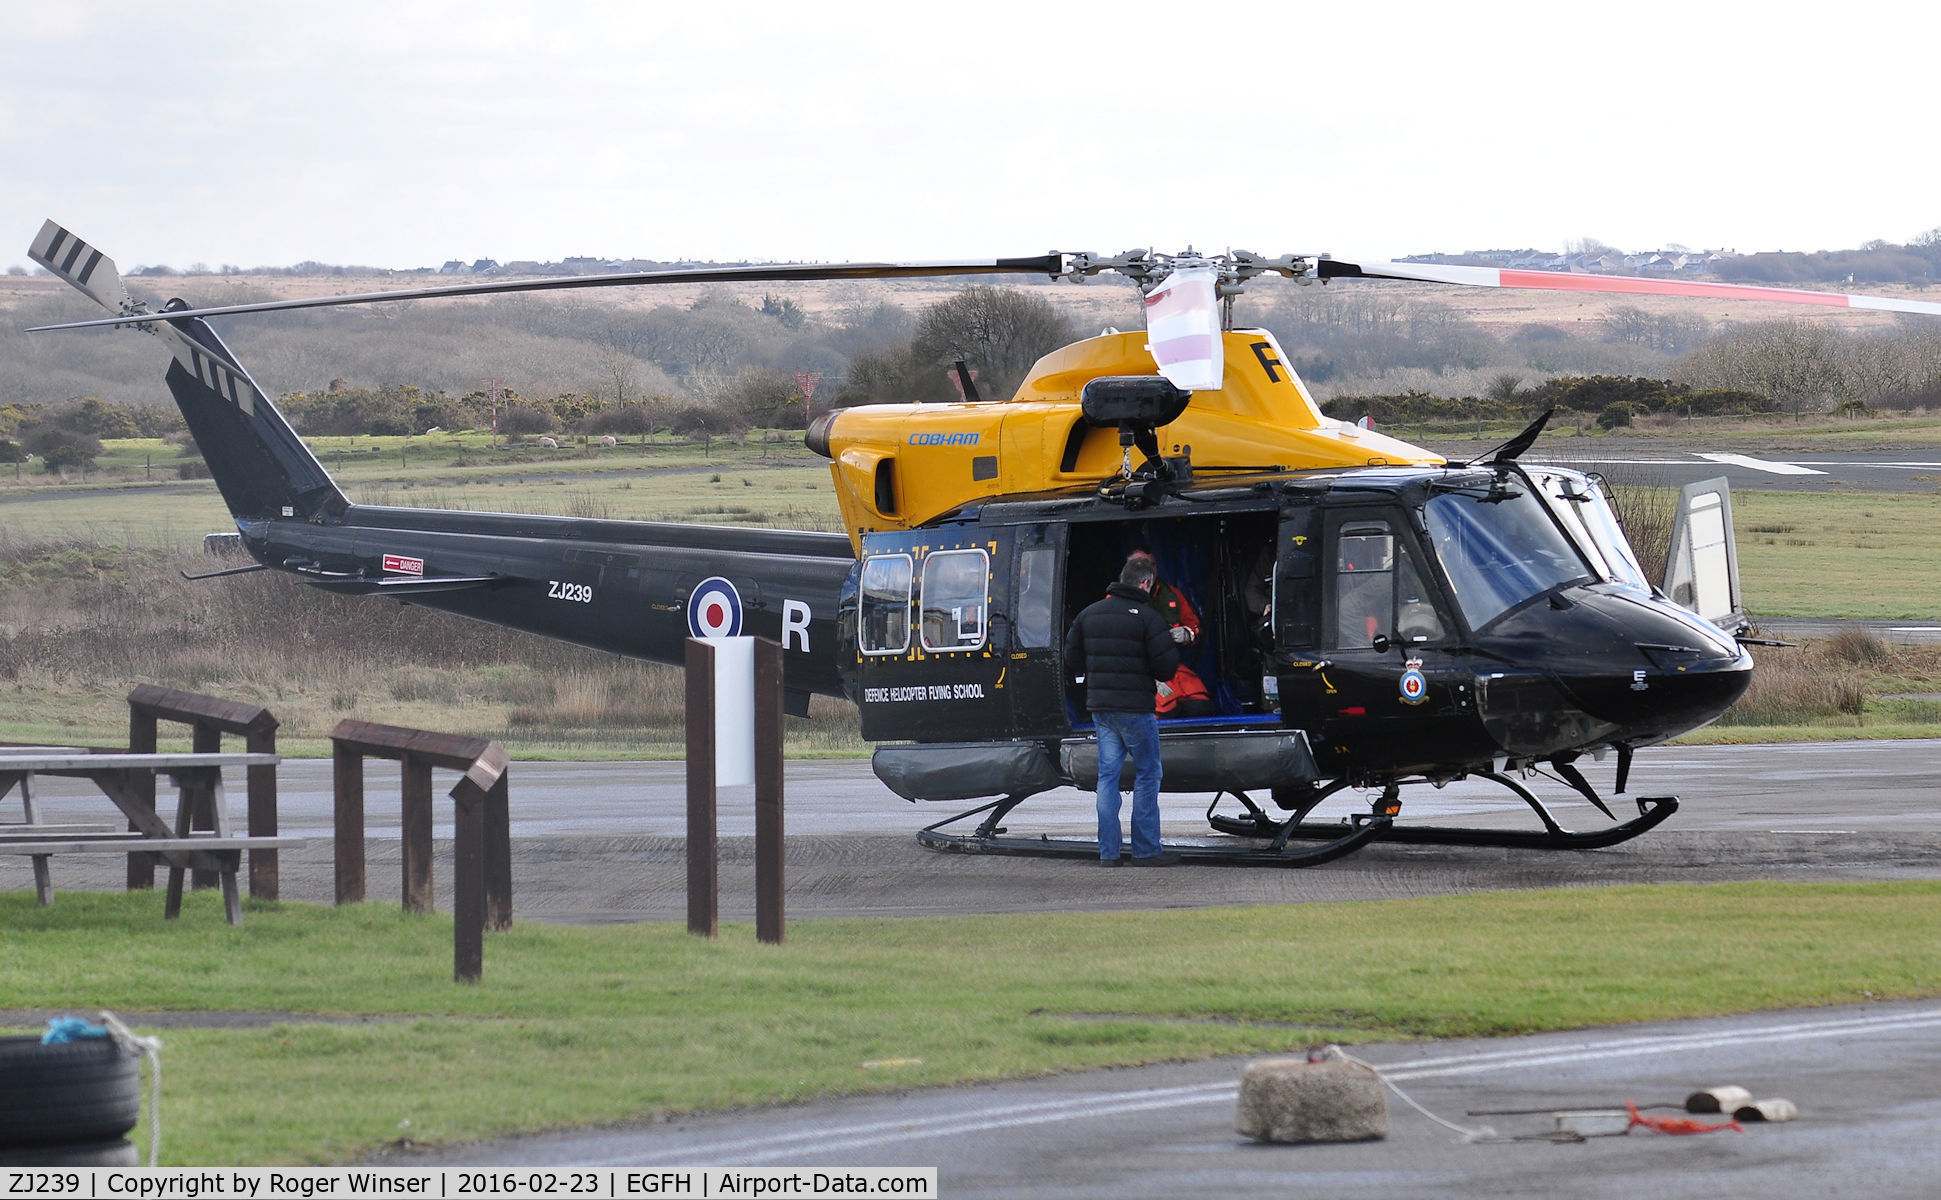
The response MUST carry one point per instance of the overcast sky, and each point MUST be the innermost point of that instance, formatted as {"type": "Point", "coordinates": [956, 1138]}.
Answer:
{"type": "Point", "coordinates": [406, 133]}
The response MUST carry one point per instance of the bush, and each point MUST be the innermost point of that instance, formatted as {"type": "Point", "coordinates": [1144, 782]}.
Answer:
{"type": "Point", "coordinates": [10, 451]}
{"type": "Point", "coordinates": [694, 419]}
{"type": "Point", "coordinates": [1415, 407]}
{"type": "Point", "coordinates": [1617, 415]}
{"type": "Point", "coordinates": [620, 419]}
{"type": "Point", "coordinates": [60, 447]}
{"type": "Point", "coordinates": [521, 418]}
{"type": "Point", "coordinates": [1856, 645]}
{"type": "Point", "coordinates": [768, 397]}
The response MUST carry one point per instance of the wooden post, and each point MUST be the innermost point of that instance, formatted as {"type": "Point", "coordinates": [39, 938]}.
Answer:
{"type": "Point", "coordinates": [468, 880]}
{"type": "Point", "coordinates": [416, 821]}
{"type": "Point", "coordinates": [347, 772]}
{"type": "Point", "coordinates": [206, 739]}
{"type": "Point", "coordinates": [498, 855]}
{"type": "Point", "coordinates": [262, 815]}
{"type": "Point", "coordinates": [141, 740]}
{"type": "Point", "coordinates": [769, 911]}
{"type": "Point", "coordinates": [703, 889]}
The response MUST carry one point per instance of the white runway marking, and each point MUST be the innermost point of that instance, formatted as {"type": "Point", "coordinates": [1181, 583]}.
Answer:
{"type": "Point", "coordinates": [777, 1146]}
{"type": "Point", "coordinates": [1761, 464]}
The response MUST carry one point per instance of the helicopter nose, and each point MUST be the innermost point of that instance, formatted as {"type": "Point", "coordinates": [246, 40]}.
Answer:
{"type": "Point", "coordinates": [1666, 671]}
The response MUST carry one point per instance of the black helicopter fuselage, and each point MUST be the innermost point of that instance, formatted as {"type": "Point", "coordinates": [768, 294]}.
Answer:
{"type": "Point", "coordinates": [1410, 621]}
{"type": "Point", "coordinates": [1416, 621]}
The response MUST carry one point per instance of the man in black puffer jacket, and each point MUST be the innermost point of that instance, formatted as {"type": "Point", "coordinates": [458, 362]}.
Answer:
{"type": "Point", "coordinates": [1124, 648]}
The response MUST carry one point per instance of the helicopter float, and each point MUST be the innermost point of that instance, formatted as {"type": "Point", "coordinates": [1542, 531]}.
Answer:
{"type": "Point", "coordinates": [1371, 615]}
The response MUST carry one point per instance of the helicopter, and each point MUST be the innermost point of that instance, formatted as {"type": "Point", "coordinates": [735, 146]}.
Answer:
{"type": "Point", "coordinates": [1371, 615]}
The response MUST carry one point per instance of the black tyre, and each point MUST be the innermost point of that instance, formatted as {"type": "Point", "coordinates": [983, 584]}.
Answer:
{"type": "Point", "coordinates": [84, 1091]}
{"type": "Point", "coordinates": [118, 1153]}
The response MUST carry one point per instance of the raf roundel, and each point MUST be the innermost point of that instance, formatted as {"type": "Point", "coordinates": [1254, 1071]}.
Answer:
{"type": "Point", "coordinates": [714, 610]}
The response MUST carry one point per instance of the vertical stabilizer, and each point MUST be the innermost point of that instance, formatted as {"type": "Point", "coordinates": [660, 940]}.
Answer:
{"type": "Point", "coordinates": [260, 465]}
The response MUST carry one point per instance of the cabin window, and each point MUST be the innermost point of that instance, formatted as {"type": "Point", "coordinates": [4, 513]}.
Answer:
{"type": "Point", "coordinates": [1035, 568]}
{"type": "Point", "coordinates": [956, 599]}
{"type": "Point", "coordinates": [885, 624]}
{"type": "Point", "coordinates": [1379, 591]}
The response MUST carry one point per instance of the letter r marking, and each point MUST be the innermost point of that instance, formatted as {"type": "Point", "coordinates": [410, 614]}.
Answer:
{"type": "Point", "coordinates": [795, 620]}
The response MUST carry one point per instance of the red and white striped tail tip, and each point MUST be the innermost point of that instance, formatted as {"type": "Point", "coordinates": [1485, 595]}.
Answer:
{"type": "Point", "coordinates": [1557, 281]}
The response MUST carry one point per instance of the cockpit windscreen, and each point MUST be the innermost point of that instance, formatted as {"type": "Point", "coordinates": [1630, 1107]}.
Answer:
{"type": "Point", "coordinates": [1498, 548]}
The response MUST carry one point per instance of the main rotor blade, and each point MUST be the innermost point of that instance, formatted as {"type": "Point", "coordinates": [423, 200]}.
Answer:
{"type": "Point", "coordinates": [1557, 281]}
{"type": "Point", "coordinates": [1044, 264]}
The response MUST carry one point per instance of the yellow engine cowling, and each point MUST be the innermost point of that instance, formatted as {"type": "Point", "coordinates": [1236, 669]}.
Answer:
{"type": "Point", "coordinates": [897, 466]}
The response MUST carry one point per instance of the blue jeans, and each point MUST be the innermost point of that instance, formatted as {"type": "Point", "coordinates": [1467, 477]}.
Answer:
{"type": "Point", "coordinates": [1123, 734]}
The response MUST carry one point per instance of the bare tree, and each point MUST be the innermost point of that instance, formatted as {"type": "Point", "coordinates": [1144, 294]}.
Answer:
{"type": "Point", "coordinates": [999, 332]}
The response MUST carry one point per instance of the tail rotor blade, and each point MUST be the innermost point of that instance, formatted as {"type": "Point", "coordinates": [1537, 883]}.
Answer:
{"type": "Point", "coordinates": [87, 269]}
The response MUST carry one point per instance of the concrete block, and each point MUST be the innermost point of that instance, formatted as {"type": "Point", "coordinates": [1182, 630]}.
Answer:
{"type": "Point", "coordinates": [1294, 1100]}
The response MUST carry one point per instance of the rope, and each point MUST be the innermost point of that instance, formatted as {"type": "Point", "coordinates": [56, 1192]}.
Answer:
{"type": "Point", "coordinates": [1677, 1124]}
{"type": "Point", "coordinates": [151, 1049]}
{"type": "Point", "coordinates": [1671, 1125]}
{"type": "Point", "coordinates": [1482, 1134]}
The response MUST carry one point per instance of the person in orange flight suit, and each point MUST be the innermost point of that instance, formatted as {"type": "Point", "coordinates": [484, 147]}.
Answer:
{"type": "Point", "coordinates": [1185, 694]}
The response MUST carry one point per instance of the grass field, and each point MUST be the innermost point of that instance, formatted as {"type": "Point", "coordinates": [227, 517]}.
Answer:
{"type": "Point", "coordinates": [580, 1025]}
{"type": "Point", "coordinates": [1823, 554]}
{"type": "Point", "coordinates": [769, 479]}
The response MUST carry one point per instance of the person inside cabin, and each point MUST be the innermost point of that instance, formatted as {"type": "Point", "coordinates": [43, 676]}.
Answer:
{"type": "Point", "coordinates": [1364, 585]}
{"type": "Point", "coordinates": [1184, 694]}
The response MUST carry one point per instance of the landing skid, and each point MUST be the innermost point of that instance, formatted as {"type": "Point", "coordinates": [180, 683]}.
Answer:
{"type": "Point", "coordinates": [1652, 811]}
{"type": "Point", "coordinates": [1281, 837]}
{"type": "Point", "coordinates": [1339, 840]}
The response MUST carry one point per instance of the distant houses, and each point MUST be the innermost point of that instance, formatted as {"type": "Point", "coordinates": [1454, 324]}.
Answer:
{"type": "Point", "coordinates": [1601, 260]}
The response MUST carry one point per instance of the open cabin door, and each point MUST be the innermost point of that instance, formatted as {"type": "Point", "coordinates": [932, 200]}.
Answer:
{"type": "Point", "coordinates": [1033, 679]}
{"type": "Point", "coordinates": [1702, 564]}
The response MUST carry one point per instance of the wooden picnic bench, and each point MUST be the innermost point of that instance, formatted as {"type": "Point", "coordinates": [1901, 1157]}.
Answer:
{"type": "Point", "coordinates": [128, 779]}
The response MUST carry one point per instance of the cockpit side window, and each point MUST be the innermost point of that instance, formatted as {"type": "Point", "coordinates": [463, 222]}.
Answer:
{"type": "Point", "coordinates": [1379, 591]}
{"type": "Point", "coordinates": [1364, 583]}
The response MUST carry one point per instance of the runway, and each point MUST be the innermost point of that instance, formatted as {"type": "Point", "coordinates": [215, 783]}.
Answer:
{"type": "Point", "coordinates": [1861, 1076]}
{"type": "Point", "coordinates": [599, 842]}
{"type": "Point", "coordinates": [1665, 463]}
